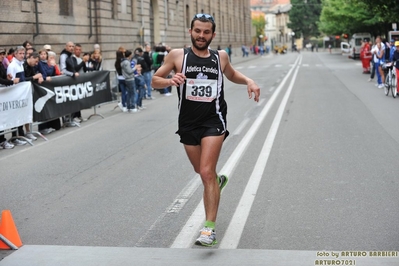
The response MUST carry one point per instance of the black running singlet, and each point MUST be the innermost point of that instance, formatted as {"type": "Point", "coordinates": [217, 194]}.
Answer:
{"type": "Point", "coordinates": [201, 97]}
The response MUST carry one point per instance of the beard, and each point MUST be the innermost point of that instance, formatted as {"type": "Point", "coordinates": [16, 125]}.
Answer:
{"type": "Point", "coordinates": [202, 47]}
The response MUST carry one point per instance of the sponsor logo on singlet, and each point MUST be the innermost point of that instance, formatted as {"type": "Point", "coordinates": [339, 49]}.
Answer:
{"type": "Point", "coordinates": [204, 69]}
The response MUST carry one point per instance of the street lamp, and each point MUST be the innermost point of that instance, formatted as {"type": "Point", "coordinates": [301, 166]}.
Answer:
{"type": "Point", "coordinates": [292, 40]}
{"type": "Point", "coordinates": [260, 40]}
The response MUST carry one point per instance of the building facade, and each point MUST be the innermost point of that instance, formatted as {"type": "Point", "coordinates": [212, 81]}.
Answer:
{"type": "Point", "coordinates": [264, 5]}
{"type": "Point", "coordinates": [115, 23]}
{"type": "Point", "coordinates": [277, 18]}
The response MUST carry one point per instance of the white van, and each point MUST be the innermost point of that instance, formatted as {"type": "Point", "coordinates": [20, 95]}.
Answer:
{"type": "Point", "coordinates": [393, 35]}
{"type": "Point", "coordinates": [353, 47]}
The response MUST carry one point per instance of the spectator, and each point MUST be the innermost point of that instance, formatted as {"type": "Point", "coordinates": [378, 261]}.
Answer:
{"type": "Point", "coordinates": [31, 69]}
{"type": "Point", "coordinates": [147, 73]}
{"type": "Point", "coordinates": [10, 54]}
{"type": "Point", "coordinates": [45, 69]}
{"type": "Point", "coordinates": [32, 74]}
{"type": "Point", "coordinates": [95, 61]}
{"type": "Point", "coordinates": [392, 50]}
{"type": "Point", "coordinates": [395, 59]}
{"type": "Point", "coordinates": [70, 66]}
{"type": "Point", "coordinates": [155, 63]}
{"type": "Point", "coordinates": [51, 61]}
{"type": "Point", "coordinates": [139, 78]}
{"type": "Point", "coordinates": [29, 51]}
{"type": "Point", "coordinates": [27, 45]}
{"type": "Point", "coordinates": [96, 47]}
{"type": "Point", "coordinates": [16, 70]}
{"type": "Point", "coordinates": [5, 80]}
{"type": "Point", "coordinates": [5, 62]}
{"type": "Point", "coordinates": [79, 63]}
{"type": "Point", "coordinates": [229, 51]}
{"type": "Point", "coordinates": [47, 47]}
{"type": "Point", "coordinates": [372, 74]}
{"type": "Point", "coordinates": [128, 73]}
{"type": "Point", "coordinates": [79, 66]}
{"type": "Point", "coordinates": [51, 70]}
{"type": "Point", "coordinates": [365, 56]}
{"type": "Point", "coordinates": [379, 60]}
{"type": "Point", "coordinates": [157, 60]}
{"type": "Point", "coordinates": [120, 54]}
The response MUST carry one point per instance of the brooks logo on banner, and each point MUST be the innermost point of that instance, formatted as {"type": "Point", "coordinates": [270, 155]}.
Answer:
{"type": "Point", "coordinates": [73, 92]}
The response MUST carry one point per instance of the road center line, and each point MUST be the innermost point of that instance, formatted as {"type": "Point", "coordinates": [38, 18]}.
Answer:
{"type": "Point", "coordinates": [186, 237]}
{"type": "Point", "coordinates": [234, 231]}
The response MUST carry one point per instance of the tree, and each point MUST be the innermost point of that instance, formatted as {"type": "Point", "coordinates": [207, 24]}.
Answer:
{"type": "Point", "coordinates": [342, 16]}
{"type": "Point", "coordinates": [351, 16]}
{"type": "Point", "coordinates": [386, 10]}
{"type": "Point", "coordinates": [304, 17]}
{"type": "Point", "coordinates": [259, 22]}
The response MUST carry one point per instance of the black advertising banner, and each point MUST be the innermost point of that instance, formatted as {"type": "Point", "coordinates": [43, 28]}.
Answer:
{"type": "Point", "coordinates": [64, 95]}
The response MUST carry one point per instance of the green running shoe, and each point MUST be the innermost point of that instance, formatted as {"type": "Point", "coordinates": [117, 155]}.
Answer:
{"type": "Point", "coordinates": [222, 181]}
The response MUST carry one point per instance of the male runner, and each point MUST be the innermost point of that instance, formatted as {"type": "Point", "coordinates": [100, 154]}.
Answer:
{"type": "Point", "coordinates": [202, 109]}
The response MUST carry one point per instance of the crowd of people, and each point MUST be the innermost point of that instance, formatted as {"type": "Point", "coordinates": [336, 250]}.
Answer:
{"type": "Point", "coordinates": [134, 73]}
{"type": "Point", "coordinates": [28, 63]}
{"type": "Point", "coordinates": [375, 56]}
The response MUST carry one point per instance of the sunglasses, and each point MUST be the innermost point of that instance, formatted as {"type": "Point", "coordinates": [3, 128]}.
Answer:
{"type": "Point", "coordinates": [206, 16]}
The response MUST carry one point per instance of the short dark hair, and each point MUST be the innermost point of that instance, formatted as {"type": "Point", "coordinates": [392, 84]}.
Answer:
{"type": "Point", "coordinates": [34, 55]}
{"type": "Point", "coordinates": [128, 53]}
{"type": "Point", "coordinates": [26, 43]}
{"type": "Point", "coordinates": [204, 18]}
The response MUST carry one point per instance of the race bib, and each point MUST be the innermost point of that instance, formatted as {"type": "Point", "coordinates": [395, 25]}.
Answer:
{"type": "Point", "coordinates": [201, 90]}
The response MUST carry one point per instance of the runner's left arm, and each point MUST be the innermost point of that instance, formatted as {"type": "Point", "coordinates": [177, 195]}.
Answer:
{"type": "Point", "coordinates": [237, 77]}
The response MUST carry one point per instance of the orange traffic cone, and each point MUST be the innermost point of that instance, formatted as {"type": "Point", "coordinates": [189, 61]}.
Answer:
{"type": "Point", "coordinates": [9, 231]}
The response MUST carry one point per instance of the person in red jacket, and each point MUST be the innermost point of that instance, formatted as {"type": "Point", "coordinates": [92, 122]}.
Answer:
{"type": "Point", "coordinates": [365, 56]}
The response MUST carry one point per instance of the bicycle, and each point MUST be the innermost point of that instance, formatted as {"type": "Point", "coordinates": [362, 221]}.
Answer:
{"type": "Point", "coordinates": [390, 79]}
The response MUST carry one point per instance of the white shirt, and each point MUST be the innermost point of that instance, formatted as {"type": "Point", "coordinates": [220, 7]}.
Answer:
{"type": "Point", "coordinates": [15, 67]}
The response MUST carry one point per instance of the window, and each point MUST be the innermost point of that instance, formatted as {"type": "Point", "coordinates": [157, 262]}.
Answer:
{"type": "Point", "coordinates": [188, 19]}
{"type": "Point", "coordinates": [65, 7]}
{"type": "Point", "coordinates": [114, 9]}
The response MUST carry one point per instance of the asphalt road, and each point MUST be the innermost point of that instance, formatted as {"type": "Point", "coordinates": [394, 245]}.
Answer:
{"type": "Point", "coordinates": [313, 167]}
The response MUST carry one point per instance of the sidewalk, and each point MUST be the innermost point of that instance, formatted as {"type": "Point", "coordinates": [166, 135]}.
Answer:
{"type": "Point", "coordinates": [114, 256]}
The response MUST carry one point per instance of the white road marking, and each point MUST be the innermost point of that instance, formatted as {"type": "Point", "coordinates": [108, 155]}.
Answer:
{"type": "Point", "coordinates": [241, 126]}
{"type": "Point", "coordinates": [236, 227]}
{"type": "Point", "coordinates": [186, 237]}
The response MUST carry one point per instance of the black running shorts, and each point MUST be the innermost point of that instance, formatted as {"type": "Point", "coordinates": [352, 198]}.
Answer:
{"type": "Point", "coordinates": [194, 136]}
